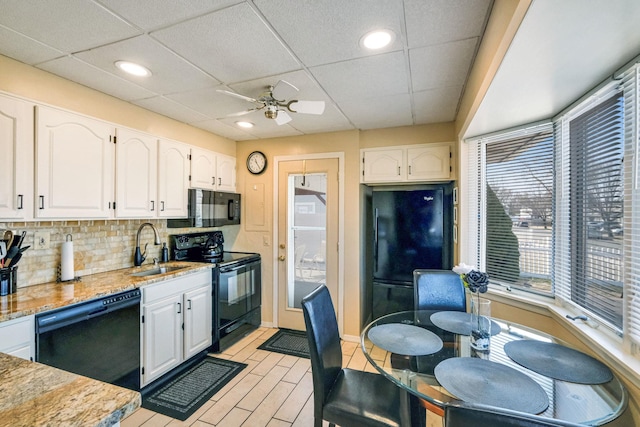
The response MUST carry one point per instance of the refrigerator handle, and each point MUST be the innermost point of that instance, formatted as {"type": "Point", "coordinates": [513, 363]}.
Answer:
{"type": "Point", "coordinates": [375, 240]}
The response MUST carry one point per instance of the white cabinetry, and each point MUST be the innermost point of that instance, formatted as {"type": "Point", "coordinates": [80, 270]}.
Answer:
{"type": "Point", "coordinates": [74, 165]}
{"type": "Point", "coordinates": [17, 337]}
{"type": "Point", "coordinates": [16, 160]}
{"type": "Point", "coordinates": [173, 179]}
{"type": "Point", "coordinates": [203, 169]}
{"type": "Point", "coordinates": [212, 171]}
{"type": "Point", "coordinates": [412, 163]}
{"type": "Point", "coordinates": [177, 322]}
{"type": "Point", "coordinates": [226, 167]}
{"type": "Point", "coordinates": [136, 174]}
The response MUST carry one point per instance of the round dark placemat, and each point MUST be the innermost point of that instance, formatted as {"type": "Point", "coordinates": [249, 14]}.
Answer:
{"type": "Point", "coordinates": [458, 322]}
{"type": "Point", "coordinates": [408, 340]}
{"type": "Point", "coordinates": [483, 381]}
{"type": "Point", "coordinates": [557, 361]}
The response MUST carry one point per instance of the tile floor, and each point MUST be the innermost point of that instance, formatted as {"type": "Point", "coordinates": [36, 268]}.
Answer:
{"type": "Point", "coordinates": [274, 390]}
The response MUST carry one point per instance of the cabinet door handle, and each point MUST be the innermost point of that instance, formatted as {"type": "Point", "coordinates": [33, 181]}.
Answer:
{"type": "Point", "coordinates": [179, 308]}
{"type": "Point", "coordinates": [20, 197]}
{"type": "Point", "coordinates": [162, 206]}
{"type": "Point", "coordinates": [409, 169]}
{"type": "Point", "coordinates": [213, 180]}
{"type": "Point", "coordinates": [189, 304]}
{"type": "Point", "coordinates": [41, 202]}
{"type": "Point", "coordinates": [398, 170]}
{"type": "Point", "coordinates": [219, 181]}
{"type": "Point", "coordinates": [153, 205]}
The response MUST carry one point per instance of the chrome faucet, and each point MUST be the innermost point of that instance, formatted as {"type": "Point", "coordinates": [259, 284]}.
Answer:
{"type": "Point", "coordinates": [138, 258]}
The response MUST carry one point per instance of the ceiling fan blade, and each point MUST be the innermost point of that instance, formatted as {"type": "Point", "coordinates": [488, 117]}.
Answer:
{"type": "Point", "coordinates": [237, 95]}
{"type": "Point", "coordinates": [282, 117]}
{"type": "Point", "coordinates": [306, 107]}
{"type": "Point", "coordinates": [284, 90]}
{"type": "Point", "coordinates": [242, 113]}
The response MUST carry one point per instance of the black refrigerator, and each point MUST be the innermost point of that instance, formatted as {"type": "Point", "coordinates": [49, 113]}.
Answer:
{"type": "Point", "coordinates": [412, 229]}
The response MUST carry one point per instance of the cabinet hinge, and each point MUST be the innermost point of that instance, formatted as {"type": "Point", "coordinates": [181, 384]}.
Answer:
{"type": "Point", "coordinates": [189, 156]}
{"type": "Point", "coordinates": [143, 318]}
{"type": "Point", "coordinates": [189, 177]}
{"type": "Point", "coordinates": [450, 155]}
{"type": "Point", "coordinates": [142, 370]}
{"type": "Point", "coordinates": [450, 168]}
{"type": "Point", "coordinates": [113, 138]}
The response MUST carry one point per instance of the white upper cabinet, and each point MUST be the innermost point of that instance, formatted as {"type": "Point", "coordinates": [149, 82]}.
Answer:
{"type": "Point", "coordinates": [212, 171]}
{"type": "Point", "coordinates": [173, 178]}
{"type": "Point", "coordinates": [74, 165]}
{"type": "Point", "coordinates": [16, 161]}
{"type": "Point", "coordinates": [411, 163]}
{"type": "Point", "coordinates": [203, 169]}
{"type": "Point", "coordinates": [226, 167]}
{"type": "Point", "coordinates": [382, 165]}
{"type": "Point", "coordinates": [136, 174]}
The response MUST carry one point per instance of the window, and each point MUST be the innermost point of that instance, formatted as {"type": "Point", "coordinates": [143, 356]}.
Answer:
{"type": "Point", "coordinates": [556, 206]}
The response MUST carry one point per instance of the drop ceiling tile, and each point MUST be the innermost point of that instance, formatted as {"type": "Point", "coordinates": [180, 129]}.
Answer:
{"type": "Point", "coordinates": [75, 70]}
{"type": "Point", "coordinates": [263, 127]}
{"type": "Point", "coordinates": [222, 129]}
{"type": "Point", "coordinates": [441, 65]}
{"type": "Point", "coordinates": [169, 108]}
{"type": "Point", "coordinates": [48, 22]}
{"type": "Point", "coordinates": [170, 73]}
{"type": "Point", "coordinates": [436, 105]}
{"type": "Point", "coordinates": [367, 115]}
{"type": "Point", "coordinates": [153, 14]}
{"type": "Point", "coordinates": [438, 21]}
{"type": "Point", "coordinates": [363, 78]}
{"type": "Point", "coordinates": [321, 32]}
{"type": "Point", "coordinates": [232, 45]}
{"type": "Point", "coordinates": [24, 49]}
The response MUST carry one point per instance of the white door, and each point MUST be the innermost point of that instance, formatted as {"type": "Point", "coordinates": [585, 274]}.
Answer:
{"type": "Point", "coordinates": [197, 321]}
{"type": "Point", "coordinates": [173, 179]}
{"type": "Point", "coordinates": [74, 166]}
{"type": "Point", "coordinates": [307, 234]}
{"type": "Point", "coordinates": [203, 169]}
{"type": "Point", "coordinates": [162, 337]}
{"type": "Point", "coordinates": [136, 175]}
{"type": "Point", "coordinates": [16, 160]}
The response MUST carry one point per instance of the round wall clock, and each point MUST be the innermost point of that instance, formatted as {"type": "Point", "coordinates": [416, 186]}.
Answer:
{"type": "Point", "coordinates": [256, 162]}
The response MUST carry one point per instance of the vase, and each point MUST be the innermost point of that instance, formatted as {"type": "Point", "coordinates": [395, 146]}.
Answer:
{"type": "Point", "coordinates": [480, 323]}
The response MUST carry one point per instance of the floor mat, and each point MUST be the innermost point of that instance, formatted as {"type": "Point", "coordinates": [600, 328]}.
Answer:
{"type": "Point", "coordinates": [182, 395]}
{"type": "Point", "coordinates": [287, 341]}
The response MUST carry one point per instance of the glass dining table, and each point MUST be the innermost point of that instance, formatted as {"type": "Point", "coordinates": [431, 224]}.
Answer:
{"type": "Point", "coordinates": [429, 354]}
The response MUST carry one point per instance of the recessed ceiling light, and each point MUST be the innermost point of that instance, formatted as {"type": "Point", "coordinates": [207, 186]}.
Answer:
{"type": "Point", "coordinates": [245, 124]}
{"type": "Point", "coordinates": [377, 39]}
{"type": "Point", "coordinates": [132, 68]}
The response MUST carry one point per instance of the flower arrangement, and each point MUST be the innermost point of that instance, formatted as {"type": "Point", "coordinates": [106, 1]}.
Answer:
{"type": "Point", "coordinates": [474, 280]}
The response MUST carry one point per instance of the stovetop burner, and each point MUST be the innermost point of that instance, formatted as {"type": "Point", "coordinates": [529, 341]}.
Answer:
{"type": "Point", "coordinates": [205, 247]}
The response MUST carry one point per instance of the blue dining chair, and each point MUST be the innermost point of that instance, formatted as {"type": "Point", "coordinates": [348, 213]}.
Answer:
{"type": "Point", "coordinates": [438, 290]}
{"type": "Point", "coordinates": [343, 396]}
{"type": "Point", "coordinates": [461, 416]}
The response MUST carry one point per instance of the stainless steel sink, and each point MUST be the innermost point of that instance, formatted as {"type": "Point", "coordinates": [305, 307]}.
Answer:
{"type": "Point", "coordinates": [155, 271]}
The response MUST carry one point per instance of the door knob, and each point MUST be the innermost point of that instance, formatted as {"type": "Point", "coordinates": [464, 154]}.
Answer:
{"type": "Point", "coordinates": [281, 258]}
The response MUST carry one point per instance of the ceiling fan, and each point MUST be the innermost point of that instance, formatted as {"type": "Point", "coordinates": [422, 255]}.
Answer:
{"type": "Point", "coordinates": [273, 102]}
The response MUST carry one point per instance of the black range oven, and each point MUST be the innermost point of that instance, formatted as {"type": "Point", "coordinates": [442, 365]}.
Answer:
{"type": "Point", "coordinates": [237, 284]}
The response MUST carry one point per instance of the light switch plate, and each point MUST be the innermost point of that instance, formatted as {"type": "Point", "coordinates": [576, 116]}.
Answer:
{"type": "Point", "coordinates": [41, 240]}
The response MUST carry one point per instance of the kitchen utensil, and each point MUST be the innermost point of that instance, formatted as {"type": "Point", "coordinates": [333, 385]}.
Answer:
{"type": "Point", "coordinates": [21, 239]}
{"type": "Point", "coordinates": [14, 260]}
{"type": "Point", "coordinates": [3, 253]}
{"type": "Point", "coordinates": [11, 253]}
{"type": "Point", "coordinates": [21, 250]}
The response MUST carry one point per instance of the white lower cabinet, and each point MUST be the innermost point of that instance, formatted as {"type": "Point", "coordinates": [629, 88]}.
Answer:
{"type": "Point", "coordinates": [176, 323]}
{"type": "Point", "coordinates": [17, 337]}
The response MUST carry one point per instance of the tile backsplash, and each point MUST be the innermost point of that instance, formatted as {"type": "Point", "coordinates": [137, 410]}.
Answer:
{"type": "Point", "coordinates": [98, 246]}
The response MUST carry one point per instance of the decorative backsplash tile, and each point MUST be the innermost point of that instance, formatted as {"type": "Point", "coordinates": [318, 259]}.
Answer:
{"type": "Point", "coordinates": [99, 245]}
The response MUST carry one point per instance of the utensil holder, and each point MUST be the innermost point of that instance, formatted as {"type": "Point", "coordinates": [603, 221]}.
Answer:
{"type": "Point", "coordinates": [8, 280]}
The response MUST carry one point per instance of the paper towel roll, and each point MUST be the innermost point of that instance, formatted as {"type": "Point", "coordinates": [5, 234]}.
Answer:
{"type": "Point", "coordinates": [66, 267]}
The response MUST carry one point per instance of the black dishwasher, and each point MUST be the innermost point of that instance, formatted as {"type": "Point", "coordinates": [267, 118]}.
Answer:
{"type": "Point", "coordinates": [99, 339]}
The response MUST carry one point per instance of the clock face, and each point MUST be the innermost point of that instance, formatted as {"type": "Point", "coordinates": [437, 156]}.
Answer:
{"type": "Point", "coordinates": [256, 162]}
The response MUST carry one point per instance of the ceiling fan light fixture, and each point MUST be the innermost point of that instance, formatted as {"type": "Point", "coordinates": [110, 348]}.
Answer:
{"type": "Point", "coordinates": [377, 39]}
{"type": "Point", "coordinates": [271, 112]}
{"type": "Point", "coordinates": [133, 68]}
{"type": "Point", "coordinates": [243, 124]}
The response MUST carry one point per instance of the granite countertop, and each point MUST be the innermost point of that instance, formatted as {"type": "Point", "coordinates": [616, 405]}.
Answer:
{"type": "Point", "coordinates": [49, 296]}
{"type": "Point", "coordinates": [32, 394]}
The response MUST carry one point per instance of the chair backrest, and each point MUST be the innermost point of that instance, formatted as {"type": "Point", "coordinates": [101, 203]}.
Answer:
{"type": "Point", "coordinates": [438, 290]}
{"type": "Point", "coordinates": [324, 343]}
{"type": "Point", "coordinates": [458, 416]}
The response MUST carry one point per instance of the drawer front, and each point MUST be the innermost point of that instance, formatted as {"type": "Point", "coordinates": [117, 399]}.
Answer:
{"type": "Point", "coordinates": [17, 333]}
{"type": "Point", "coordinates": [167, 288]}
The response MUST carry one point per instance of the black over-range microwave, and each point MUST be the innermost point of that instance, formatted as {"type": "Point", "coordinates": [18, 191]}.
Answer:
{"type": "Point", "coordinates": [209, 209]}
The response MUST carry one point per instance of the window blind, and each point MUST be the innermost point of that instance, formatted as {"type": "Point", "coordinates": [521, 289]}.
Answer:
{"type": "Point", "coordinates": [591, 208]}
